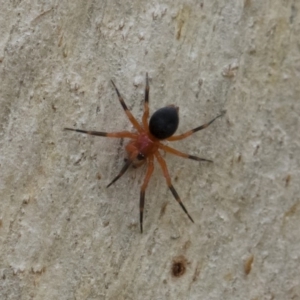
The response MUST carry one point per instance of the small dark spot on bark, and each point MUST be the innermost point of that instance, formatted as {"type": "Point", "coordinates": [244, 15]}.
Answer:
{"type": "Point", "coordinates": [292, 210]}
{"type": "Point", "coordinates": [248, 264]}
{"type": "Point", "coordinates": [239, 158]}
{"type": "Point", "coordinates": [179, 266]}
{"type": "Point", "coordinates": [256, 150]}
{"type": "Point", "coordinates": [247, 3]}
{"type": "Point", "coordinates": [26, 201]}
{"type": "Point", "coordinates": [196, 273]}
{"type": "Point", "coordinates": [163, 209]}
{"type": "Point", "coordinates": [287, 180]}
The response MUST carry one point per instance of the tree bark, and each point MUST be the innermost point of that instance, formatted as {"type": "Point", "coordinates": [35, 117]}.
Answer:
{"type": "Point", "coordinates": [64, 235]}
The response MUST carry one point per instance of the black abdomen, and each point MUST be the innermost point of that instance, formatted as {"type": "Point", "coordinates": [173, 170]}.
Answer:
{"type": "Point", "coordinates": [164, 122]}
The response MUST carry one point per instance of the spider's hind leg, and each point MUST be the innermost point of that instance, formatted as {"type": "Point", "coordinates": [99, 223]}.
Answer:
{"type": "Point", "coordinates": [143, 189]}
{"type": "Point", "coordinates": [163, 165]}
{"type": "Point", "coordinates": [181, 154]}
{"type": "Point", "coordinates": [190, 132]}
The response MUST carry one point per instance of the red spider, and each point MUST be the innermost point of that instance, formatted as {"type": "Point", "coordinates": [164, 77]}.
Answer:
{"type": "Point", "coordinates": [146, 142]}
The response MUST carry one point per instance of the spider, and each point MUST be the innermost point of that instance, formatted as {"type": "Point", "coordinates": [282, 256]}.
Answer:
{"type": "Point", "coordinates": [145, 143]}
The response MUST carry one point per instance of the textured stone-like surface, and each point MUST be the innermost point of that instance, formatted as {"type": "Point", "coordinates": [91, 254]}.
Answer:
{"type": "Point", "coordinates": [63, 235]}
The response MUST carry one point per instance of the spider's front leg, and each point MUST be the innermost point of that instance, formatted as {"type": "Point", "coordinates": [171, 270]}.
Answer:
{"type": "Point", "coordinates": [132, 155]}
{"type": "Point", "coordinates": [131, 118]}
{"type": "Point", "coordinates": [120, 134]}
{"type": "Point", "coordinates": [146, 104]}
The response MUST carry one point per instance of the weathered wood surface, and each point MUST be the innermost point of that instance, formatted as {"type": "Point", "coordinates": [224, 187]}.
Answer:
{"type": "Point", "coordinates": [63, 235]}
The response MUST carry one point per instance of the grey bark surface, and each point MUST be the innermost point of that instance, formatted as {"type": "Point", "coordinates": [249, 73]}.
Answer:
{"type": "Point", "coordinates": [63, 235]}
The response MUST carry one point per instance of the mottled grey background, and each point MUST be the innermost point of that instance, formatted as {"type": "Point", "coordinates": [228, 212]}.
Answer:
{"type": "Point", "coordinates": [63, 235]}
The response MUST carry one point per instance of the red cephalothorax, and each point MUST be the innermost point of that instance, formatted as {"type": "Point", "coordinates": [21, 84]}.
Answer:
{"type": "Point", "coordinates": [145, 144]}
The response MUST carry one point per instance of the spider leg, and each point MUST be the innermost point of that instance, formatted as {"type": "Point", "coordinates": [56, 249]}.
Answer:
{"type": "Point", "coordinates": [163, 165]}
{"type": "Point", "coordinates": [121, 134]}
{"type": "Point", "coordinates": [143, 189]}
{"type": "Point", "coordinates": [146, 104]}
{"type": "Point", "coordinates": [131, 118]}
{"type": "Point", "coordinates": [190, 132]}
{"type": "Point", "coordinates": [181, 154]}
{"type": "Point", "coordinates": [123, 170]}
